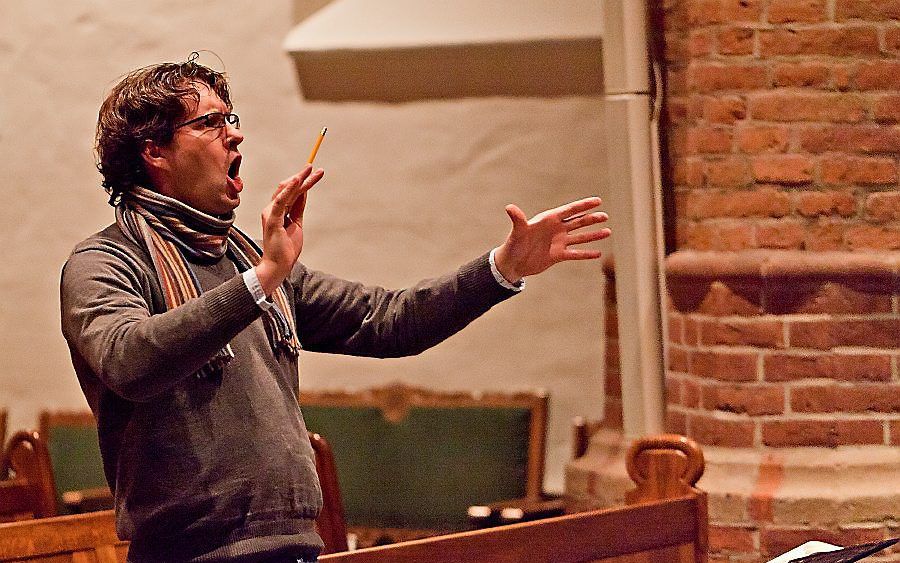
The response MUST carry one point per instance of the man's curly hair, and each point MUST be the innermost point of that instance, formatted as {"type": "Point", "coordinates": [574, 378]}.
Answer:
{"type": "Point", "coordinates": [147, 105]}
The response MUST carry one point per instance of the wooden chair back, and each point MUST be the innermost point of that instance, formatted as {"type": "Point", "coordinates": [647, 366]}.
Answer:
{"type": "Point", "coordinates": [659, 528]}
{"type": "Point", "coordinates": [26, 488]}
{"type": "Point", "coordinates": [668, 524]}
{"type": "Point", "coordinates": [417, 459]}
{"type": "Point", "coordinates": [80, 538]}
{"type": "Point", "coordinates": [71, 438]}
{"type": "Point", "coordinates": [330, 524]}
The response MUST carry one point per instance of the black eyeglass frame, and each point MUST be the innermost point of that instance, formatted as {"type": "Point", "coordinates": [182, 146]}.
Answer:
{"type": "Point", "coordinates": [229, 118]}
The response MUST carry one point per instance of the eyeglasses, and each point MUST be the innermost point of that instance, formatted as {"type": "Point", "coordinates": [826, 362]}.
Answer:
{"type": "Point", "coordinates": [214, 120]}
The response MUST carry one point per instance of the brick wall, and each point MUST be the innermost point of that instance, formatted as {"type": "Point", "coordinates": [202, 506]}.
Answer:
{"type": "Point", "coordinates": [784, 123]}
{"type": "Point", "coordinates": [783, 128]}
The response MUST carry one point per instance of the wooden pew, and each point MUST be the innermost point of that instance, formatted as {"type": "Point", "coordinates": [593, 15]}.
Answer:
{"type": "Point", "coordinates": [667, 522]}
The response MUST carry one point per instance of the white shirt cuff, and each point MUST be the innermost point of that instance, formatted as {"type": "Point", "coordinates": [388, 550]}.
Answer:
{"type": "Point", "coordinates": [253, 286]}
{"type": "Point", "coordinates": [499, 277]}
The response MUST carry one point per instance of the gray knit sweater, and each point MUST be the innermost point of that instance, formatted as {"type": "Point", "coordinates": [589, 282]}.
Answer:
{"type": "Point", "coordinates": [220, 468]}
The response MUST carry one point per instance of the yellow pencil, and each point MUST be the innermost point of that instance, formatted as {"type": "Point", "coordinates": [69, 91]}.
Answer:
{"type": "Point", "coordinates": [312, 155]}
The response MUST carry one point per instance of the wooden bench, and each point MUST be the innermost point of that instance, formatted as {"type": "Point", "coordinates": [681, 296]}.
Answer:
{"type": "Point", "coordinates": [665, 522]}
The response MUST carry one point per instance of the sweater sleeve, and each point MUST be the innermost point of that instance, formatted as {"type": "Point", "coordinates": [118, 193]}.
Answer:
{"type": "Point", "coordinates": [343, 317]}
{"type": "Point", "coordinates": [106, 319]}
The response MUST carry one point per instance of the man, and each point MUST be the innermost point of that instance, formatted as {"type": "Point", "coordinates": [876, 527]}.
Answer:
{"type": "Point", "coordinates": [184, 334]}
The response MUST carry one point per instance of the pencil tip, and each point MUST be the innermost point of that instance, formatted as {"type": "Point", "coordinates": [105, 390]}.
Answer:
{"type": "Point", "coordinates": [324, 130]}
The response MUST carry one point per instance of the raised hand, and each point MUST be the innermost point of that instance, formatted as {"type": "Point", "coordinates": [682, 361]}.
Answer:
{"type": "Point", "coordinates": [283, 237]}
{"type": "Point", "coordinates": [534, 245]}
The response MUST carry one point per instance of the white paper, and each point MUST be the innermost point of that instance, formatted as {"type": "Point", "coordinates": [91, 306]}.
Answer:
{"type": "Point", "coordinates": [808, 548]}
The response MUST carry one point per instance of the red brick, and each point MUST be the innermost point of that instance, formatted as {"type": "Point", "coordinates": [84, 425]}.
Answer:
{"type": "Point", "coordinates": [708, 12]}
{"type": "Point", "coordinates": [736, 41]}
{"type": "Point", "coordinates": [752, 332]}
{"type": "Point", "coordinates": [740, 10]}
{"type": "Point", "coordinates": [855, 138]}
{"type": "Point", "coordinates": [845, 41]}
{"type": "Point", "coordinates": [732, 538]}
{"type": "Point", "coordinates": [763, 138]}
{"type": "Point", "coordinates": [761, 203]}
{"type": "Point", "coordinates": [725, 110]}
{"type": "Point", "coordinates": [826, 432]}
{"type": "Point", "coordinates": [886, 108]}
{"type": "Point", "coordinates": [673, 390]}
{"type": "Point", "coordinates": [678, 359]}
{"type": "Point", "coordinates": [754, 400]}
{"type": "Point", "coordinates": [842, 398]}
{"type": "Point", "coordinates": [782, 106]}
{"type": "Point", "coordinates": [826, 334]}
{"type": "Point", "coordinates": [723, 299]}
{"type": "Point", "coordinates": [707, 236]}
{"type": "Point", "coordinates": [688, 172]}
{"type": "Point", "coordinates": [713, 77]}
{"type": "Point", "coordinates": [812, 204]}
{"type": "Point", "coordinates": [797, 11]}
{"type": "Point", "coordinates": [775, 541]}
{"type": "Point", "coordinates": [691, 331]}
{"type": "Point", "coordinates": [883, 206]}
{"type": "Point", "coordinates": [877, 75]}
{"type": "Point", "coordinates": [676, 328]}
{"type": "Point", "coordinates": [803, 75]}
{"type": "Point", "coordinates": [895, 433]}
{"type": "Point", "coordinates": [842, 76]}
{"type": "Point", "coordinates": [700, 43]}
{"type": "Point", "coordinates": [825, 235]}
{"type": "Point", "coordinates": [840, 367]}
{"type": "Point", "coordinates": [790, 169]}
{"type": "Point", "coordinates": [690, 394]}
{"type": "Point", "coordinates": [729, 172]}
{"type": "Point", "coordinates": [892, 39]}
{"type": "Point", "coordinates": [859, 170]}
{"type": "Point", "coordinates": [872, 10]}
{"type": "Point", "coordinates": [712, 431]}
{"type": "Point", "coordinates": [708, 140]}
{"type": "Point", "coordinates": [874, 237]}
{"type": "Point", "coordinates": [786, 234]}
{"type": "Point", "coordinates": [676, 422]}
{"type": "Point", "coordinates": [724, 366]}
{"type": "Point", "coordinates": [677, 108]}
{"type": "Point", "coordinates": [832, 298]}
{"type": "Point", "coordinates": [677, 81]}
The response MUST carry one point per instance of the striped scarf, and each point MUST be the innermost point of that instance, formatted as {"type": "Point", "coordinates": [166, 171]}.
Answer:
{"type": "Point", "coordinates": [172, 231]}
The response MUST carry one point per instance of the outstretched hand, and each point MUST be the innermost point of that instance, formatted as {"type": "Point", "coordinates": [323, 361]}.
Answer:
{"type": "Point", "coordinates": [536, 244]}
{"type": "Point", "coordinates": [283, 232]}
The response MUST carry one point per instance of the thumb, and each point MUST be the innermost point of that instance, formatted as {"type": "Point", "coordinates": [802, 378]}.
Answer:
{"type": "Point", "coordinates": [517, 216]}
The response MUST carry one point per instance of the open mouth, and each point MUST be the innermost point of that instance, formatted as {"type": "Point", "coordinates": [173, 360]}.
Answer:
{"type": "Point", "coordinates": [235, 167]}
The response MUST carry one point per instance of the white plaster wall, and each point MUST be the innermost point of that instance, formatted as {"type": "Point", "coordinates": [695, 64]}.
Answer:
{"type": "Point", "coordinates": [411, 191]}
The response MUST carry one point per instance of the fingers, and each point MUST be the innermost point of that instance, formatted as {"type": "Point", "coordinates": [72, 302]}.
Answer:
{"type": "Point", "coordinates": [298, 206]}
{"type": "Point", "coordinates": [589, 236]}
{"type": "Point", "coordinates": [579, 221]}
{"type": "Point", "coordinates": [299, 176]}
{"type": "Point", "coordinates": [569, 210]}
{"type": "Point", "coordinates": [289, 198]}
{"type": "Point", "coordinates": [581, 254]}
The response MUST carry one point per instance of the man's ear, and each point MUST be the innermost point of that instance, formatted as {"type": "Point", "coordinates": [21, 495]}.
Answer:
{"type": "Point", "coordinates": [153, 156]}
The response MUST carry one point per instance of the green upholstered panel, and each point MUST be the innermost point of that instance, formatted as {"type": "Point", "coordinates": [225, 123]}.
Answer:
{"type": "Point", "coordinates": [426, 470]}
{"type": "Point", "coordinates": [75, 457]}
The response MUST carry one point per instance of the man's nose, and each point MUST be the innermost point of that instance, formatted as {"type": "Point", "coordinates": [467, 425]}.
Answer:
{"type": "Point", "coordinates": [233, 136]}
